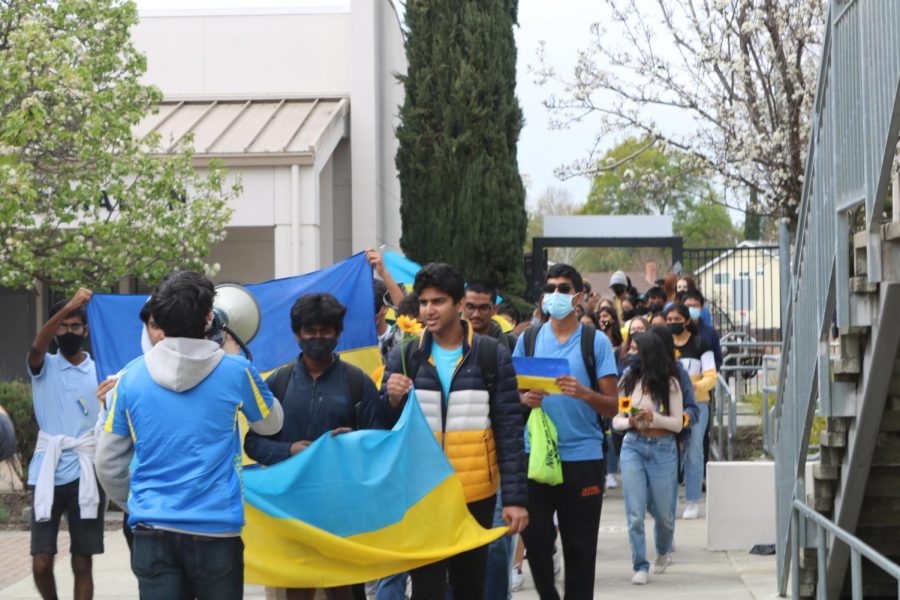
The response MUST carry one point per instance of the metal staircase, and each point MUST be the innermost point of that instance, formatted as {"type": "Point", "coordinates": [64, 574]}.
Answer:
{"type": "Point", "coordinates": [845, 274]}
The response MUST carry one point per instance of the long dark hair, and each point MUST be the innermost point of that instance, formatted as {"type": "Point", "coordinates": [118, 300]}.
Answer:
{"type": "Point", "coordinates": [614, 332]}
{"type": "Point", "coordinates": [657, 370]}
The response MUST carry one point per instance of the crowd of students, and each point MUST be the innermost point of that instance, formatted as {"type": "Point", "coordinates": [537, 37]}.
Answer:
{"type": "Point", "coordinates": [660, 350]}
{"type": "Point", "coordinates": [635, 403]}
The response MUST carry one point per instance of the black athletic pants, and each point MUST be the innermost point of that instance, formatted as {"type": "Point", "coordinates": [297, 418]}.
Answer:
{"type": "Point", "coordinates": [466, 570]}
{"type": "Point", "coordinates": [577, 503]}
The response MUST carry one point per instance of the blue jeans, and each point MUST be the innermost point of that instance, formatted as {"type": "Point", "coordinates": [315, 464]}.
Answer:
{"type": "Point", "coordinates": [693, 459]}
{"type": "Point", "coordinates": [178, 566]}
{"type": "Point", "coordinates": [499, 560]}
{"type": "Point", "coordinates": [649, 476]}
{"type": "Point", "coordinates": [392, 587]}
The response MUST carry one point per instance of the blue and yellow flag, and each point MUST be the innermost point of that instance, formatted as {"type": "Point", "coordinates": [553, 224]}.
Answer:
{"type": "Point", "coordinates": [357, 507]}
{"type": "Point", "coordinates": [538, 373]}
{"type": "Point", "coordinates": [116, 328]}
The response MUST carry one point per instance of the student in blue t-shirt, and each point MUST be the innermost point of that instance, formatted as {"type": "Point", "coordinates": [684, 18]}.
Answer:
{"type": "Point", "coordinates": [175, 408]}
{"type": "Point", "coordinates": [578, 500]}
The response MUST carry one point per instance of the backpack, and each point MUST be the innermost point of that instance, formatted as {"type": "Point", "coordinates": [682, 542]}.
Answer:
{"type": "Point", "coordinates": [353, 374]}
{"type": "Point", "coordinates": [487, 360]}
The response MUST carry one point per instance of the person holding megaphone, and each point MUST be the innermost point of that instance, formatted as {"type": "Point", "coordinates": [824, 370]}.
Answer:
{"type": "Point", "coordinates": [174, 409]}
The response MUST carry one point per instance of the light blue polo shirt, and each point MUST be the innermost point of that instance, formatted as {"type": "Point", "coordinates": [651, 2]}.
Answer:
{"type": "Point", "coordinates": [577, 426]}
{"type": "Point", "coordinates": [65, 403]}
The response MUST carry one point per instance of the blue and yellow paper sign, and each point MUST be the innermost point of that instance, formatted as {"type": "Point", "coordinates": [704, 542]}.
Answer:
{"type": "Point", "coordinates": [533, 373]}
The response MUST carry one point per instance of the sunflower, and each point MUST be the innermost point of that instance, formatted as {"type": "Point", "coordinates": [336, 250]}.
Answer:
{"type": "Point", "coordinates": [408, 325]}
{"type": "Point", "coordinates": [624, 404]}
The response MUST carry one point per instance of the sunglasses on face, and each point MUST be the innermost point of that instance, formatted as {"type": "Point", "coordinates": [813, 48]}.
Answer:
{"type": "Point", "coordinates": [564, 288]}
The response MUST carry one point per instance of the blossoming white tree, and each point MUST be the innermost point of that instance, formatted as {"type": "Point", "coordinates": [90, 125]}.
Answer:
{"type": "Point", "coordinates": [82, 201]}
{"type": "Point", "coordinates": [741, 72]}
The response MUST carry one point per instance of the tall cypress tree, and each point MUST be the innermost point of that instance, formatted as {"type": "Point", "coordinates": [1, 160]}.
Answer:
{"type": "Point", "coordinates": [463, 199]}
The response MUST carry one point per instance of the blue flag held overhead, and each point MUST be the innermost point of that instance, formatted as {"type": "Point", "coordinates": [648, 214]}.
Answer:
{"type": "Point", "coordinates": [116, 328]}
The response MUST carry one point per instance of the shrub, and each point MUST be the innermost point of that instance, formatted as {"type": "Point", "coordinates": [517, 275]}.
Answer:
{"type": "Point", "coordinates": [15, 397]}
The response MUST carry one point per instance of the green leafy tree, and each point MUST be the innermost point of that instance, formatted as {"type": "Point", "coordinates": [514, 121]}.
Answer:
{"type": "Point", "coordinates": [82, 201]}
{"type": "Point", "coordinates": [463, 198]}
{"type": "Point", "coordinates": [645, 179]}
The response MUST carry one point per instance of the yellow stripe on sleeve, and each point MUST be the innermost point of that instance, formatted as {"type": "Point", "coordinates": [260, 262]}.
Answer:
{"type": "Point", "coordinates": [260, 403]}
{"type": "Point", "coordinates": [130, 425]}
{"type": "Point", "coordinates": [107, 426]}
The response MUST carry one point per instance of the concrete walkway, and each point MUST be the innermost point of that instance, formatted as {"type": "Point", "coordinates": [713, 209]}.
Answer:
{"type": "Point", "coordinates": [695, 574]}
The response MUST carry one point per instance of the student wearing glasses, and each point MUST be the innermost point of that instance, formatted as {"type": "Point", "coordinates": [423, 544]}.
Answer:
{"type": "Point", "coordinates": [479, 308]}
{"type": "Point", "coordinates": [575, 413]}
{"type": "Point", "coordinates": [62, 470]}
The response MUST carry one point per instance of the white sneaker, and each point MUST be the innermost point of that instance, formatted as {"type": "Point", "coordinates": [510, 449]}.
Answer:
{"type": "Point", "coordinates": [662, 562]}
{"type": "Point", "coordinates": [691, 511]}
{"type": "Point", "coordinates": [517, 579]}
{"type": "Point", "coordinates": [557, 564]}
{"type": "Point", "coordinates": [640, 578]}
{"type": "Point", "coordinates": [611, 483]}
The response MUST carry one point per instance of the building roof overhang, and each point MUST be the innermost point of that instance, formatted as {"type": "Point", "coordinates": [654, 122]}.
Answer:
{"type": "Point", "coordinates": [268, 131]}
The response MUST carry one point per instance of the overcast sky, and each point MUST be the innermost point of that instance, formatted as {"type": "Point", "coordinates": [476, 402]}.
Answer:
{"type": "Point", "coordinates": [563, 24]}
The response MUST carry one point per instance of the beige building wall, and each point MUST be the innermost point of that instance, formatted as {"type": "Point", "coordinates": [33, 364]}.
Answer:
{"type": "Point", "coordinates": [247, 53]}
{"type": "Point", "coordinates": [762, 269]}
{"type": "Point", "coordinates": [350, 198]}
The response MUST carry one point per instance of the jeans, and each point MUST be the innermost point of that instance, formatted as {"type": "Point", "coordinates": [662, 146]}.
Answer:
{"type": "Point", "coordinates": [577, 503]}
{"type": "Point", "coordinates": [693, 460]}
{"type": "Point", "coordinates": [649, 476]}
{"type": "Point", "coordinates": [175, 566]}
{"type": "Point", "coordinates": [392, 587]}
{"type": "Point", "coordinates": [499, 561]}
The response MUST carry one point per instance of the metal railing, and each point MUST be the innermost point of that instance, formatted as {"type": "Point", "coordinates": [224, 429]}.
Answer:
{"type": "Point", "coordinates": [852, 139]}
{"type": "Point", "coordinates": [799, 513]}
{"type": "Point", "coordinates": [723, 442]}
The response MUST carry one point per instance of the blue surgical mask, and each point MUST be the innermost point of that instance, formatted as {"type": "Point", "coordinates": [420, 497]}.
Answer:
{"type": "Point", "coordinates": [558, 305]}
{"type": "Point", "coordinates": [695, 313]}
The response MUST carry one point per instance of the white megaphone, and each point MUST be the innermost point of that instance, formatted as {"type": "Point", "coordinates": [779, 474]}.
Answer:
{"type": "Point", "coordinates": [236, 312]}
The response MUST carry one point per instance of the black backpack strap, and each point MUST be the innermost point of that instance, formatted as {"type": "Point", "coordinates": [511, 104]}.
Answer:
{"type": "Point", "coordinates": [530, 338]}
{"type": "Point", "coordinates": [487, 360]}
{"type": "Point", "coordinates": [588, 333]}
{"type": "Point", "coordinates": [354, 377]}
{"type": "Point", "coordinates": [354, 382]}
{"type": "Point", "coordinates": [281, 381]}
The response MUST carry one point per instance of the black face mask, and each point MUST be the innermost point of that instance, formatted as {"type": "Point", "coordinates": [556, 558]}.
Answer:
{"type": "Point", "coordinates": [318, 348]}
{"type": "Point", "coordinates": [617, 289]}
{"type": "Point", "coordinates": [628, 315]}
{"type": "Point", "coordinates": [676, 328]}
{"type": "Point", "coordinates": [680, 296]}
{"type": "Point", "coordinates": [70, 343]}
{"type": "Point", "coordinates": [633, 362]}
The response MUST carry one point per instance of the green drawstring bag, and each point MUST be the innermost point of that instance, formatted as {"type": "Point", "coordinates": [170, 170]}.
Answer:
{"type": "Point", "coordinates": [544, 465]}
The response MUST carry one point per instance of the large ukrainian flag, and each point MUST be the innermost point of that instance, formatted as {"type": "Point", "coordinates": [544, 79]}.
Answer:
{"type": "Point", "coordinates": [357, 507]}
{"type": "Point", "coordinates": [116, 328]}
